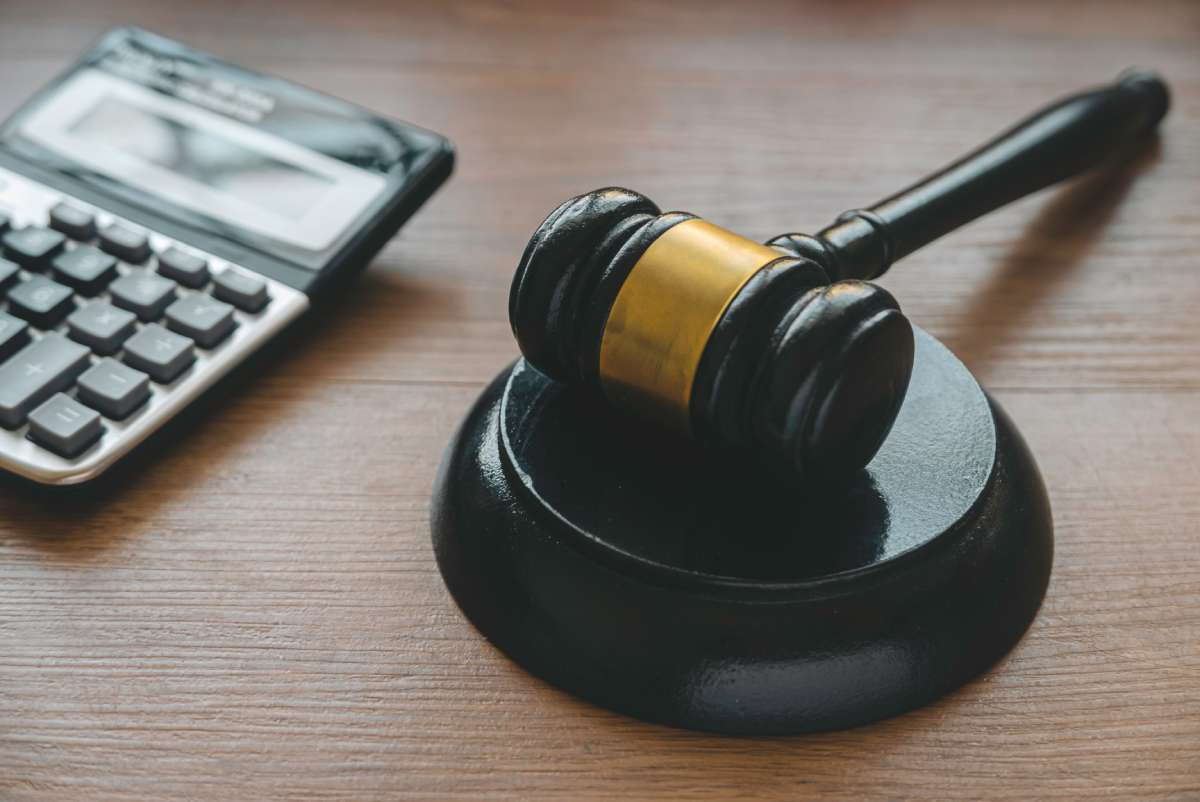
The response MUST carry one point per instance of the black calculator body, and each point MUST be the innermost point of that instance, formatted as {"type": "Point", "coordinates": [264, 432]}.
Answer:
{"type": "Point", "coordinates": [163, 215]}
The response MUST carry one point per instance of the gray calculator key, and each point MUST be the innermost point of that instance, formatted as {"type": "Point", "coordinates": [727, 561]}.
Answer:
{"type": "Point", "coordinates": [125, 243]}
{"type": "Point", "coordinates": [14, 335]}
{"type": "Point", "coordinates": [161, 353]}
{"type": "Point", "coordinates": [42, 302]}
{"type": "Point", "coordinates": [114, 389]}
{"type": "Point", "coordinates": [247, 293]}
{"type": "Point", "coordinates": [186, 268]}
{"type": "Point", "coordinates": [33, 248]}
{"type": "Point", "coordinates": [76, 223]}
{"type": "Point", "coordinates": [37, 372]}
{"type": "Point", "coordinates": [143, 293]}
{"type": "Point", "coordinates": [101, 326]}
{"type": "Point", "coordinates": [85, 268]}
{"type": "Point", "coordinates": [206, 320]}
{"type": "Point", "coordinates": [64, 426]}
{"type": "Point", "coordinates": [8, 274]}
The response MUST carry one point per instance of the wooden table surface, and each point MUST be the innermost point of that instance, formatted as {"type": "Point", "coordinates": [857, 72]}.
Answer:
{"type": "Point", "coordinates": [255, 612]}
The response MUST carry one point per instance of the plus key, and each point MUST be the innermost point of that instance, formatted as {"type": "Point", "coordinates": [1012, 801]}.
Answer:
{"type": "Point", "coordinates": [37, 372]}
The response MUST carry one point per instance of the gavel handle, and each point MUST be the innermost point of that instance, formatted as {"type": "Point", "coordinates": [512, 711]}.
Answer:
{"type": "Point", "coordinates": [1058, 142]}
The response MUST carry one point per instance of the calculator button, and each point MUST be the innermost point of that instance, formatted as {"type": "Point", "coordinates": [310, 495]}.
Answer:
{"type": "Point", "coordinates": [33, 248]}
{"type": "Point", "coordinates": [8, 273]}
{"type": "Point", "coordinates": [125, 243]}
{"type": "Point", "coordinates": [73, 221]}
{"type": "Point", "coordinates": [143, 293]}
{"type": "Point", "coordinates": [42, 302]}
{"type": "Point", "coordinates": [205, 320]}
{"type": "Point", "coordinates": [64, 426]}
{"type": "Point", "coordinates": [85, 268]}
{"type": "Point", "coordinates": [14, 335]}
{"type": "Point", "coordinates": [114, 389]}
{"type": "Point", "coordinates": [186, 268]}
{"type": "Point", "coordinates": [37, 372]}
{"type": "Point", "coordinates": [161, 353]}
{"type": "Point", "coordinates": [245, 292]}
{"type": "Point", "coordinates": [101, 326]}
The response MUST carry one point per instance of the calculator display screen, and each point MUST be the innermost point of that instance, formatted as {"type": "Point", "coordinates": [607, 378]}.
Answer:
{"type": "Point", "coordinates": [241, 158]}
{"type": "Point", "coordinates": [194, 157]}
{"type": "Point", "coordinates": [204, 157]}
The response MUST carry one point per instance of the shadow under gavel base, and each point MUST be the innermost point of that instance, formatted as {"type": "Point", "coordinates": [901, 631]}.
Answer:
{"type": "Point", "coordinates": [678, 587]}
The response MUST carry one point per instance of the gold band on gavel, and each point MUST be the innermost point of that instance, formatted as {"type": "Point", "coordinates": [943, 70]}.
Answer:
{"type": "Point", "coordinates": [665, 311]}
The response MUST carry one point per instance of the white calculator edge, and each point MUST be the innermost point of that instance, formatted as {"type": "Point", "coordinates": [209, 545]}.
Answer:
{"type": "Point", "coordinates": [28, 202]}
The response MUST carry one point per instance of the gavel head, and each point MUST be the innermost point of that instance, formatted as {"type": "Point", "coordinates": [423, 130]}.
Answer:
{"type": "Point", "coordinates": [726, 340]}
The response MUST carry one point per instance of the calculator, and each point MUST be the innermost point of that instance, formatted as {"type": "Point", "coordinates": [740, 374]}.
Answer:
{"type": "Point", "coordinates": [163, 215]}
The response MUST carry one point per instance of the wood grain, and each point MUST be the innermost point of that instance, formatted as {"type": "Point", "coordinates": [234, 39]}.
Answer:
{"type": "Point", "coordinates": [254, 612]}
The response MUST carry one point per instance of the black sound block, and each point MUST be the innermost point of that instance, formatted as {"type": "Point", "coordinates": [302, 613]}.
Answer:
{"type": "Point", "coordinates": [679, 586]}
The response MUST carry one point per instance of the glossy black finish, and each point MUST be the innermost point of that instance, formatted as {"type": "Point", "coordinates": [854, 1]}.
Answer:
{"type": "Point", "coordinates": [571, 272]}
{"type": "Point", "coordinates": [1060, 141]}
{"type": "Point", "coordinates": [636, 574]}
{"type": "Point", "coordinates": [815, 377]}
{"type": "Point", "coordinates": [802, 377]}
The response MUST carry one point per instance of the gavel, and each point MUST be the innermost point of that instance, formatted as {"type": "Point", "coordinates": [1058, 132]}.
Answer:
{"type": "Point", "coordinates": [784, 351]}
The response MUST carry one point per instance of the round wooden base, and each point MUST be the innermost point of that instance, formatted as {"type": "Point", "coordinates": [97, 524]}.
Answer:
{"type": "Point", "coordinates": [679, 586]}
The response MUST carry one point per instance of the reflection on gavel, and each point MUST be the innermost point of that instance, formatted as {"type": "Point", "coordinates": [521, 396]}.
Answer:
{"type": "Point", "coordinates": [784, 350]}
